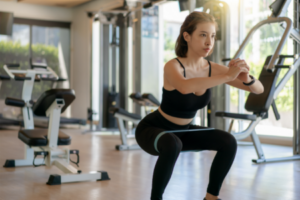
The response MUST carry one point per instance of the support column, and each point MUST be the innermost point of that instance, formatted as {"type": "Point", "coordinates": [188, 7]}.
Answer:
{"type": "Point", "coordinates": [137, 57]}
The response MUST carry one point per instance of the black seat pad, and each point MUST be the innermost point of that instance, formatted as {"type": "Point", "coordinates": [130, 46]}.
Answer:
{"type": "Point", "coordinates": [38, 137]}
{"type": "Point", "coordinates": [236, 116]}
{"type": "Point", "coordinates": [124, 112]}
{"type": "Point", "coordinates": [49, 96]}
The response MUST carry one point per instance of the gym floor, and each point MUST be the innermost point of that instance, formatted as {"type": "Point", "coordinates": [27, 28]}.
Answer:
{"type": "Point", "coordinates": [131, 173]}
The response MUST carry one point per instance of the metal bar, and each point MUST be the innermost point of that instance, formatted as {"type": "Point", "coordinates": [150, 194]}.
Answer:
{"type": "Point", "coordinates": [243, 134]}
{"type": "Point", "coordinates": [128, 147]}
{"type": "Point", "coordinates": [257, 145]}
{"type": "Point", "coordinates": [80, 177]}
{"type": "Point", "coordinates": [122, 131]}
{"type": "Point", "coordinates": [53, 112]}
{"type": "Point", "coordinates": [267, 160]}
{"type": "Point", "coordinates": [30, 44]}
{"type": "Point", "coordinates": [296, 113]}
{"type": "Point", "coordinates": [65, 167]}
{"type": "Point", "coordinates": [100, 112]}
{"type": "Point", "coordinates": [124, 117]}
{"type": "Point", "coordinates": [230, 126]}
{"type": "Point", "coordinates": [287, 76]}
{"type": "Point", "coordinates": [137, 56]}
{"type": "Point", "coordinates": [281, 43]}
{"type": "Point", "coordinates": [28, 162]}
{"type": "Point", "coordinates": [11, 75]}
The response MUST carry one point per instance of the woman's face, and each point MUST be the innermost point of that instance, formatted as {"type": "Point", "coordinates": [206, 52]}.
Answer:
{"type": "Point", "coordinates": [202, 40]}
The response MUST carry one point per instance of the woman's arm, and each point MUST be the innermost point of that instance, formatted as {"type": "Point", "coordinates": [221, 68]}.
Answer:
{"type": "Point", "coordinates": [173, 75]}
{"type": "Point", "coordinates": [256, 87]}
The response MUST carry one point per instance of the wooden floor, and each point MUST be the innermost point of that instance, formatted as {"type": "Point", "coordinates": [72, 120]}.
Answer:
{"type": "Point", "coordinates": [131, 173]}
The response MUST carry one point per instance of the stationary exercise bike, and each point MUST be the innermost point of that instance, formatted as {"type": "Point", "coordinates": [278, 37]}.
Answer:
{"type": "Point", "coordinates": [45, 142]}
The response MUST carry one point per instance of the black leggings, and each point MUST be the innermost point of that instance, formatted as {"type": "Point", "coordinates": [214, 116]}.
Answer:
{"type": "Point", "coordinates": [169, 145]}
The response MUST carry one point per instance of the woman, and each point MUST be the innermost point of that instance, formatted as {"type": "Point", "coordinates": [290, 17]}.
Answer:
{"type": "Point", "coordinates": [187, 82]}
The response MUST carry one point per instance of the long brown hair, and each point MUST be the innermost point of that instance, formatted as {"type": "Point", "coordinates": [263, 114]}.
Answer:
{"type": "Point", "coordinates": [189, 25]}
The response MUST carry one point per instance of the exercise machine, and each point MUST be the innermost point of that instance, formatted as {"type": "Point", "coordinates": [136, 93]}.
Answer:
{"type": "Point", "coordinates": [45, 142]}
{"type": "Point", "coordinates": [40, 121]}
{"type": "Point", "coordinates": [260, 104]}
{"type": "Point", "coordinates": [124, 116]}
{"type": "Point", "coordinates": [3, 120]}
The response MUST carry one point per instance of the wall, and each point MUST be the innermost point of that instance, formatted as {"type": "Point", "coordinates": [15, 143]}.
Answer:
{"type": "Point", "coordinates": [81, 53]}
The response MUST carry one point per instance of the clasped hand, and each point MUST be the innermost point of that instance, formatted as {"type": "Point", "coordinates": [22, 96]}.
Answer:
{"type": "Point", "coordinates": [238, 69]}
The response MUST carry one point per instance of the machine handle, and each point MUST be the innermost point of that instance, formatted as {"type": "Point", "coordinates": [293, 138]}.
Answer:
{"type": "Point", "coordinates": [15, 102]}
{"type": "Point", "coordinates": [33, 66]}
{"type": "Point", "coordinates": [13, 65]}
{"type": "Point", "coordinates": [3, 77]}
{"type": "Point", "coordinates": [61, 79]}
{"type": "Point", "coordinates": [137, 96]}
{"type": "Point", "coordinates": [19, 78]}
{"type": "Point", "coordinates": [282, 66]}
{"type": "Point", "coordinates": [48, 79]}
{"type": "Point", "coordinates": [286, 56]}
{"type": "Point", "coordinates": [226, 59]}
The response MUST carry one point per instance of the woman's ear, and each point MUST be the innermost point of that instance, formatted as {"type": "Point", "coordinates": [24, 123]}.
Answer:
{"type": "Point", "coordinates": [186, 36]}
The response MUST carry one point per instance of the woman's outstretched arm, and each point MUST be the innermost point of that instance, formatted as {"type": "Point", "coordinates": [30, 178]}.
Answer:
{"type": "Point", "coordinates": [173, 74]}
{"type": "Point", "coordinates": [256, 87]}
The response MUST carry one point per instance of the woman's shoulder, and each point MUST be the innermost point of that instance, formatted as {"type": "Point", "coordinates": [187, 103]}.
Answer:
{"type": "Point", "coordinates": [172, 63]}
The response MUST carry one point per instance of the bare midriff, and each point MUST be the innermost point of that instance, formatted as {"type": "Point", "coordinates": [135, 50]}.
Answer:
{"type": "Point", "coordinates": [175, 120]}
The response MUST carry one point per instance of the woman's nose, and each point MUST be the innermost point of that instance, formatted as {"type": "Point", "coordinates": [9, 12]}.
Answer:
{"type": "Point", "coordinates": [209, 42]}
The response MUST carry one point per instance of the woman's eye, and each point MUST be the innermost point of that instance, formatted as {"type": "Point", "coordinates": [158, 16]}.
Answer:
{"type": "Point", "coordinates": [203, 35]}
{"type": "Point", "coordinates": [213, 36]}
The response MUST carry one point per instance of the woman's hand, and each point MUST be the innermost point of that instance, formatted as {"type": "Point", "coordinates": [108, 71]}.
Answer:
{"type": "Point", "coordinates": [238, 69]}
{"type": "Point", "coordinates": [244, 73]}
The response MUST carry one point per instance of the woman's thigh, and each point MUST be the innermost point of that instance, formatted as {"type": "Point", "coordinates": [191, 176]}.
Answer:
{"type": "Point", "coordinates": [206, 140]}
{"type": "Point", "coordinates": [146, 137]}
{"type": "Point", "coordinates": [153, 140]}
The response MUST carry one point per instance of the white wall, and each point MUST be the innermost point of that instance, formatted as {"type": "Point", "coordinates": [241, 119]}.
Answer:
{"type": "Point", "coordinates": [81, 53]}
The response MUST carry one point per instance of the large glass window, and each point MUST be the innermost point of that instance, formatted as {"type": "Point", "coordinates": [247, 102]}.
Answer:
{"type": "Point", "coordinates": [51, 46]}
{"type": "Point", "coordinates": [13, 49]}
{"type": "Point", "coordinates": [43, 42]}
{"type": "Point", "coordinates": [173, 19]}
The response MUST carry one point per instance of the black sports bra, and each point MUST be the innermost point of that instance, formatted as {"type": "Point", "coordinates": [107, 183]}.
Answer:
{"type": "Point", "coordinates": [184, 105]}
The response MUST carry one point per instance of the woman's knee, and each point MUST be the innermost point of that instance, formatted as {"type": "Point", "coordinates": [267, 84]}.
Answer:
{"type": "Point", "coordinates": [229, 141]}
{"type": "Point", "coordinates": [169, 143]}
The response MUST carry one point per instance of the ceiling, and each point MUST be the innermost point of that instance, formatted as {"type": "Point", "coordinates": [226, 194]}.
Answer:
{"type": "Point", "coordinates": [62, 3]}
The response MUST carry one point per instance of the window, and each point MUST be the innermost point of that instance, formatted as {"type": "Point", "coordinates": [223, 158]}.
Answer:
{"type": "Point", "coordinates": [43, 42]}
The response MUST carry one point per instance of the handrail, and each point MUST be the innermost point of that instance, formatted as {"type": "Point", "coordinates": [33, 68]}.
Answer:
{"type": "Point", "coordinates": [270, 20]}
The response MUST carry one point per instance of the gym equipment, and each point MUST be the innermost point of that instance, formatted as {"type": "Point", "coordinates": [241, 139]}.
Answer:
{"type": "Point", "coordinates": [123, 116]}
{"type": "Point", "coordinates": [44, 142]}
{"type": "Point", "coordinates": [145, 100]}
{"type": "Point", "coordinates": [40, 121]}
{"type": "Point", "coordinates": [260, 104]}
{"type": "Point", "coordinates": [6, 121]}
